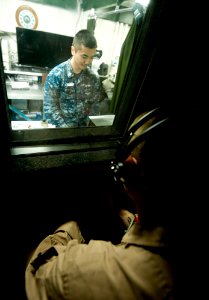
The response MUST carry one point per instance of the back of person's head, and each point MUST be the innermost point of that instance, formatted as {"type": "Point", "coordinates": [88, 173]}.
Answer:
{"type": "Point", "coordinates": [148, 166]}
{"type": "Point", "coordinates": [86, 38]}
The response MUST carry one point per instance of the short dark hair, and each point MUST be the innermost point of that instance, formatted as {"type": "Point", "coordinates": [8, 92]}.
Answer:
{"type": "Point", "coordinates": [86, 38]}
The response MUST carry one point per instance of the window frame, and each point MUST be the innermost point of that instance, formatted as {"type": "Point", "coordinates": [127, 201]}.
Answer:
{"type": "Point", "coordinates": [87, 142]}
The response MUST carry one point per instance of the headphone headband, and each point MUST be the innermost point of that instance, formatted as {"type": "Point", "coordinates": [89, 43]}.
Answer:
{"type": "Point", "coordinates": [127, 147]}
{"type": "Point", "coordinates": [123, 170]}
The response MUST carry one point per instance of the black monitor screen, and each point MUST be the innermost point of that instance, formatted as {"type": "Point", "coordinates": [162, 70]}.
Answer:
{"type": "Point", "coordinates": [42, 49]}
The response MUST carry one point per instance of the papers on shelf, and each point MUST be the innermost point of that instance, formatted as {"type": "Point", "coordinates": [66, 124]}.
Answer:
{"type": "Point", "coordinates": [18, 125]}
{"type": "Point", "coordinates": [102, 120]}
{"type": "Point", "coordinates": [20, 85]}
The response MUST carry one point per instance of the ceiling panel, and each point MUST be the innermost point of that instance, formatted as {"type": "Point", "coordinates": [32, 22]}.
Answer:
{"type": "Point", "coordinates": [96, 4]}
{"type": "Point", "coordinates": [86, 4]}
{"type": "Point", "coordinates": [100, 6]}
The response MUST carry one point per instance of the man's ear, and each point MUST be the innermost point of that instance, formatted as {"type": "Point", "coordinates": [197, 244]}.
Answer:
{"type": "Point", "coordinates": [73, 50]}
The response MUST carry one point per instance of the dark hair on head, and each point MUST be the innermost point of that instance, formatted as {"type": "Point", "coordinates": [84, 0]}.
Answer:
{"type": "Point", "coordinates": [86, 38]}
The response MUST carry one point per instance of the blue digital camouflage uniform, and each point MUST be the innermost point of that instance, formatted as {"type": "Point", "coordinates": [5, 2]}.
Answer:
{"type": "Point", "coordinates": [69, 98]}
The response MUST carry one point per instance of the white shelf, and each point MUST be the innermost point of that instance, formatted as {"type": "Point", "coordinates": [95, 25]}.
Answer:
{"type": "Point", "coordinates": [15, 72]}
{"type": "Point", "coordinates": [35, 92]}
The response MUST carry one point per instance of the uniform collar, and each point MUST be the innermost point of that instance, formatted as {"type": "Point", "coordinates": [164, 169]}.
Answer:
{"type": "Point", "coordinates": [147, 238]}
{"type": "Point", "coordinates": [70, 72]}
{"type": "Point", "coordinates": [69, 68]}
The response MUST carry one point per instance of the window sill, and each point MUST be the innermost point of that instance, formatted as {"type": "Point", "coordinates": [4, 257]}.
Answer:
{"type": "Point", "coordinates": [58, 156]}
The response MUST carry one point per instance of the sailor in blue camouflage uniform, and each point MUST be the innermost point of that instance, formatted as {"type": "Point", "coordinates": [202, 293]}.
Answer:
{"type": "Point", "coordinates": [72, 90]}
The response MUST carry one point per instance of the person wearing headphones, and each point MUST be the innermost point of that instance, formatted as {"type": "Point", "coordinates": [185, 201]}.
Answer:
{"type": "Point", "coordinates": [142, 265]}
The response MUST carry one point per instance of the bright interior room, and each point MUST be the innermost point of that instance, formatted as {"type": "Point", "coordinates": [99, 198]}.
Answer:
{"type": "Point", "coordinates": [32, 44]}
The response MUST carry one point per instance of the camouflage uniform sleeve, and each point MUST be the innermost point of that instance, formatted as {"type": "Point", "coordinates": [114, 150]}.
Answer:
{"type": "Point", "coordinates": [101, 96]}
{"type": "Point", "coordinates": [51, 105]}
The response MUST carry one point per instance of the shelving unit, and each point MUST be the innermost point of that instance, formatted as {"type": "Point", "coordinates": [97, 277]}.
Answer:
{"type": "Point", "coordinates": [26, 95]}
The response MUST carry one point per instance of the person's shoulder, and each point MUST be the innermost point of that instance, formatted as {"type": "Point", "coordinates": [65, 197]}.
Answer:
{"type": "Point", "coordinates": [92, 72]}
{"type": "Point", "coordinates": [59, 68]}
{"type": "Point", "coordinates": [62, 65]}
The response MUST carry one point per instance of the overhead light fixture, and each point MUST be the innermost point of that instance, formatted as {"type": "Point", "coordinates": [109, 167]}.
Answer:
{"type": "Point", "coordinates": [116, 11]}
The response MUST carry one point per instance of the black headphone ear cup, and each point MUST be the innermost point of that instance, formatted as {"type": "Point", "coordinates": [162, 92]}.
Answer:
{"type": "Point", "coordinates": [127, 173]}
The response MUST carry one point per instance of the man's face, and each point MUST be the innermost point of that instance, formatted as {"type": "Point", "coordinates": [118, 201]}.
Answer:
{"type": "Point", "coordinates": [82, 56]}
